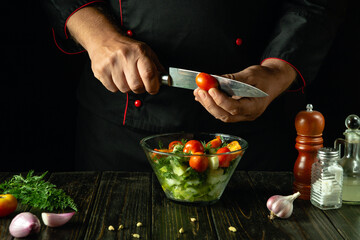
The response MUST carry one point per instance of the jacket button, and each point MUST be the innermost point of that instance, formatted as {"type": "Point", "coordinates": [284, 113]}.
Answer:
{"type": "Point", "coordinates": [129, 33]}
{"type": "Point", "coordinates": [239, 41]}
{"type": "Point", "coordinates": [137, 103]}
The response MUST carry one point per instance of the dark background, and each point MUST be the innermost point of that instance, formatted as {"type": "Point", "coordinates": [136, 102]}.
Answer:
{"type": "Point", "coordinates": [38, 90]}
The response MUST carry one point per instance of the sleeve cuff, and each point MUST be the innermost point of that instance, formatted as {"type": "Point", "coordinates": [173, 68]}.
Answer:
{"type": "Point", "coordinates": [299, 83]}
{"type": "Point", "coordinates": [60, 34]}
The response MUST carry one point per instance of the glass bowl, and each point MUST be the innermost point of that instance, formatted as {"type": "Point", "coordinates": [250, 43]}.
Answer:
{"type": "Point", "coordinates": [192, 184]}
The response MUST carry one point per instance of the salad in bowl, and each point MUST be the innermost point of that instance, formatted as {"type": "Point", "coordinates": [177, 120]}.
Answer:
{"type": "Point", "coordinates": [194, 167]}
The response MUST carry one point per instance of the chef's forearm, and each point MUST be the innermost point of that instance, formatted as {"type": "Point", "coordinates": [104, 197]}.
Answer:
{"type": "Point", "coordinates": [287, 72]}
{"type": "Point", "coordinates": [90, 27]}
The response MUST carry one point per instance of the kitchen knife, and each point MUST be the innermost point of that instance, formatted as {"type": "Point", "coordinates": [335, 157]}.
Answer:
{"type": "Point", "coordinates": [183, 78]}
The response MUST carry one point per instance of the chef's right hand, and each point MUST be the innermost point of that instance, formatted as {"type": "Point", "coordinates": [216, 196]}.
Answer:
{"type": "Point", "coordinates": [127, 65]}
{"type": "Point", "coordinates": [118, 61]}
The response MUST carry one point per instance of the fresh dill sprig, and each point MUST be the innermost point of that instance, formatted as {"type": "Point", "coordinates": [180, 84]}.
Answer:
{"type": "Point", "coordinates": [36, 192]}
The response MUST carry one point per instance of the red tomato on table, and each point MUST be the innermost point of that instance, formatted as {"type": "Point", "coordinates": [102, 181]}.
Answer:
{"type": "Point", "coordinates": [206, 81]}
{"type": "Point", "coordinates": [193, 146]}
{"type": "Point", "coordinates": [8, 204]}
{"type": "Point", "coordinates": [224, 160]}
{"type": "Point", "coordinates": [199, 163]}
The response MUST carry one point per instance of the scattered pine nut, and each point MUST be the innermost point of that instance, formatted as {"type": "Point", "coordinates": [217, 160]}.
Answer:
{"type": "Point", "coordinates": [193, 219]}
{"type": "Point", "coordinates": [121, 227]}
{"type": "Point", "coordinates": [111, 228]}
{"type": "Point", "coordinates": [181, 230]}
{"type": "Point", "coordinates": [232, 229]}
{"type": "Point", "coordinates": [135, 235]}
{"type": "Point", "coordinates": [139, 224]}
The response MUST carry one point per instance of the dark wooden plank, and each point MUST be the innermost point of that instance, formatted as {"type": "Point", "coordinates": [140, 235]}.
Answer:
{"type": "Point", "coordinates": [346, 220]}
{"type": "Point", "coordinates": [82, 187]}
{"type": "Point", "coordinates": [169, 216]}
{"type": "Point", "coordinates": [239, 208]}
{"type": "Point", "coordinates": [306, 222]}
{"type": "Point", "coordinates": [122, 198]}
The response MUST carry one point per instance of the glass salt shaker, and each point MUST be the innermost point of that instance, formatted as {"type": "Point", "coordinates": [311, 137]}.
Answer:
{"type": "Point", "coordinates": [327, 180]}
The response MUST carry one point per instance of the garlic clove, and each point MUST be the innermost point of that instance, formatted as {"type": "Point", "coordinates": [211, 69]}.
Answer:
{"type": "Point", "coordinates": [56, 219]}
{"type": "Point", "coordinates": [281, 206]}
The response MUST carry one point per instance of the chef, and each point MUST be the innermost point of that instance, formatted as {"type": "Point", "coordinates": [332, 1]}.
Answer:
{"type": "Point", "coordinates": [276, 46]}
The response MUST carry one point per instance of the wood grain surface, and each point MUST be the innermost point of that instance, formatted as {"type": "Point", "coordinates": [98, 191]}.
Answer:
{"type": "Point", "coordinates": [132, 199]}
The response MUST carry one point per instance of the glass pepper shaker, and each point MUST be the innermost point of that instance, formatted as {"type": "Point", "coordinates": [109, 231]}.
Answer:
{"type": "Point", "coordinates": [327, 180]}
{"type": "Point", "coordinates": [351, 160]}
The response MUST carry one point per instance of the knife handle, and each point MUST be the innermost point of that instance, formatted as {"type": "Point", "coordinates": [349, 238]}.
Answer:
{"type": "Point", "coordinates": [165, 79]}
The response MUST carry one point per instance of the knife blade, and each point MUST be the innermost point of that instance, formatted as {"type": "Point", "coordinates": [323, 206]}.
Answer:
{"type": "Point", "coordinates": [183, 78]}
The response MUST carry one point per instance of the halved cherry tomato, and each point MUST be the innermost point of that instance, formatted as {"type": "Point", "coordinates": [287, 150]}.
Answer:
{"type": "Point", "coordinates": [206, 81]}
{"type": "Point", "coordinates": [157, 155]}
{"type": "Point", "coordinates": [193, 146]}
{"type": "Point", "coordinates": [8, 204]}
{"type": "Point", "coordinates": [216, 142]}
{"type": "Point", "coordinates": [199, 163]}
{"type": "Point", "coordinates": [224, 160]}
{"type": "Point", "coordinates": [173, 144]}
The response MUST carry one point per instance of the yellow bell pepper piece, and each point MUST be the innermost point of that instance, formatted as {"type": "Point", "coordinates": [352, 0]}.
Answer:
{"type": "Point", "coordinates": [234, 146]}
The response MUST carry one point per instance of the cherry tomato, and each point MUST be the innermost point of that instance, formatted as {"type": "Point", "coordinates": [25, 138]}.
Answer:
{"type": "Point", "coordinates": [206, 81]}
{"type": "Point", "coordinates": [8, 204]}
{"type": "Point", "coordinates": [215, 143]}
{"type": "Point", "coordinates": [199, 163]}
{"type": "Point", "coordinates": [193, 146]}
{"type": "Point", "coordinates": [156, 156]}
{"type": "Point", "coordinates": [173, 144]}
{"type": "Point", "coordinates": [224, 160]}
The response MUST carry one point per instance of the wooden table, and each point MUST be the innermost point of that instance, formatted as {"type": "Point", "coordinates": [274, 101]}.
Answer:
{"type": "Point", "coordinates": [114, 198]}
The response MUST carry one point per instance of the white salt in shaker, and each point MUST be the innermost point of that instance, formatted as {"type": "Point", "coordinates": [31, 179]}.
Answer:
{"type": "Point", "coordinates": [327, 180]}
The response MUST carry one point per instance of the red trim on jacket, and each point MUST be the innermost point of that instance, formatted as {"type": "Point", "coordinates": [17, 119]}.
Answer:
{"type": "Point", "coordinates": [66, 35]}
{"type": "Point", "coordinates": [121, 17]}
{"type": "Point", "coordinates": [126, 106]}
{"type": "Point", "coordinates": [127, 94]}
{"type": "Point", "coordinates": [76, 11]}
{"type": "Point", "coordinates": [302, 78]}
{"type": "Point", "coordinates": [57, 45]}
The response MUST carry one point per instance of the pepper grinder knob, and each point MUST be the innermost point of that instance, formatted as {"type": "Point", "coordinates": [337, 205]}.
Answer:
{"type": "Point", "coordinates": [309, 126]}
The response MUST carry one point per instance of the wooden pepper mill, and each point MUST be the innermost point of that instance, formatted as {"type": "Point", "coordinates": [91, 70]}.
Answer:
{"type": "Point", "coordinates": [309, 126]}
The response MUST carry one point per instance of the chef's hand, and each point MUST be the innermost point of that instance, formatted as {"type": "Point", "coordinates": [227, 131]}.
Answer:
{"type": "Point", "coordinates": [119, 62]}
{"type": "Point", "coordinates": [273, 76]}
{"type": "Point", "coordinates": [126, 65]}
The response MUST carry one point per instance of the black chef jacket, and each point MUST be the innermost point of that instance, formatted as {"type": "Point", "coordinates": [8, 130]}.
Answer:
{"type": "Point", "coordinates": [214, 36]}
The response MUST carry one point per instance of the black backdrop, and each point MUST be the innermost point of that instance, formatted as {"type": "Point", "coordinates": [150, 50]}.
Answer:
{"type": "Point", "coordinates": [38, 90]}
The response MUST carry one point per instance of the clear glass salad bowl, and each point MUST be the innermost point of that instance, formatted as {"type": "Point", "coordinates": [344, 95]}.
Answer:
{"type": "Point", "coordinates": [191, 174]}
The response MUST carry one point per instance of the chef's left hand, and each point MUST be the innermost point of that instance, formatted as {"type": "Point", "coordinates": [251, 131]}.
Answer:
{"type": "Point", "coordinates": [273, 76]}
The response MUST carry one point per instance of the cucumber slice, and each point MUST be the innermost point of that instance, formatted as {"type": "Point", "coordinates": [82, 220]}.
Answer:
{"type": "Point", "coordinates": [213, 162]}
